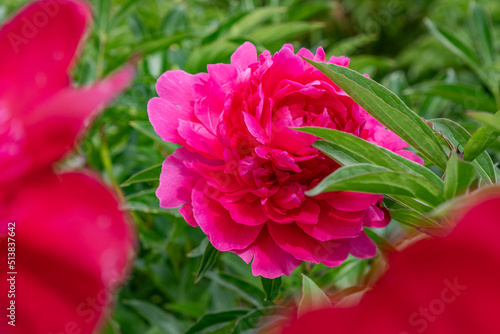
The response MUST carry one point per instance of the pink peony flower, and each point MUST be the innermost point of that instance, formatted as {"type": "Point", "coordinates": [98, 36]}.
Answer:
{"type": "Point", "coordinates": [242, 173]}
{"type": "Point", "coordinates": [437, 286]}
{"type": "Point", "coordinates": [63, 236]}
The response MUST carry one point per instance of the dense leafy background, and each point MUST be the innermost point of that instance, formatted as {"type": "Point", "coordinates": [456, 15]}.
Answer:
{"type": "Point", "coordinates": [387, 39]}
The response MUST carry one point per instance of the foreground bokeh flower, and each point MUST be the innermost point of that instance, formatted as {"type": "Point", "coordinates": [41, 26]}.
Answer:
{"type": "Point", "coordinates": [437, 286]}
{"type": "Point", "coordinates": [63, 234]}
{"type": "Point", "coordinates": [242, 173]}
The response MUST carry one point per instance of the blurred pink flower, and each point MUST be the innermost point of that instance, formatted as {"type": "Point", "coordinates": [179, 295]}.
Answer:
{"type": "Point", "coordinates": [72, 241]}
{"type": "Point", "coordinates": [437, 286]}
{"type": "Point", "coordinates": [242, 173]}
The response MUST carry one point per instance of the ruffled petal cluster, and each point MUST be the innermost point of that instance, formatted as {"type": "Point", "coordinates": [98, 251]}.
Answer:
{"type": "Point", "coordinates": [243, 171]}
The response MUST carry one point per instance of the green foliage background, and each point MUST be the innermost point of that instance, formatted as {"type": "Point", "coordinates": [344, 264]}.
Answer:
{"type": "Point", "coordinates": [386, 39]}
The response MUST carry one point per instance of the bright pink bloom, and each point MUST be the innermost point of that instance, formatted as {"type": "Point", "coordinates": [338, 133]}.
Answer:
{"type": "Point", "coordinates": [242, 173]}
{"type": "Point", "coordinates": [437, 286]}
{"type": "Point", "coordinates": [72, 240]}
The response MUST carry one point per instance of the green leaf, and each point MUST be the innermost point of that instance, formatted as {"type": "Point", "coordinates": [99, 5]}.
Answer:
{"type": "Point", "coordinates": [156, 316]}
{"type": "Point", "coordinates": [383, 244]}
{"type": "Point", "coordinates": [413, 204]}
{"type": "Point", "coordinates": [146, 129]}
{"type": "Point", "coordinates": [491, 120]}
{"type": "Point", "coordinates": [272, 36]}
{"type": "Point", "coordinates": [459, 175]}
{"type": "Point", "coordinates": [459, 137]}
{"type": "Point", "coordinates": [379, 180]}
{"type": "Point", "coordinates": [210, 319]}
{"type": "Point", "coordinates": [313, 298]}
{"type": "Point", "coordinates": [479, 142]}
{"type": "Point", "coordinates": [458, 47]}
{"type": "Point", "coordinates": [411, 218]}
{"type": "Point", "coordinates": [249, 292]}
{"type": "Point", "coordinates": [146, 175]}
{"type": "Point", "coordinates": [388, 109]}
{"type": "Point", "coordinates": [207, 261]}
{"type": "Point", "coordinates": [481, 30]}
{"type": "Point", "coordinates": [255, 320]}
{"type": "Point", "coordinates": [471, 97]}
{"type": "Point", "coordinates": [253, 19]}
{"type": "Point", "coordinates": [271, 287]}
{"type": "Point", "coordinates": [348, 149]}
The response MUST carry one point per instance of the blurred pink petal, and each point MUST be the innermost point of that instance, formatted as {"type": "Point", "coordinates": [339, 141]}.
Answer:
{"type": "Point", "coordinates": [73, 245]}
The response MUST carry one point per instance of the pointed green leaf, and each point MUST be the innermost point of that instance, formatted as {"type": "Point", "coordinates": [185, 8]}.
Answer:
{"type": "Point", "coordinates": [479, 142]}
{"type": "Point", "coordinates": [249, 292]}
{"type": "Point", "coordinates": [271, 287]}
{"type": "Point", "coordinates": [207, 261]}
{"type": "Point", "coordinates": [459, 175]}
{"type": "Point", "coordinates": [459, 136]}
{"type": "Point", "coordinates": [146, 175]}
{"type": "Point", "coordinates": [481, 30]}
{"type": "Point", "coordinates": [379, 180]}
{"type": "Point", "coordinates": [348, 149]}
{"type": "Point", "coordinates": [471, 97]}
{"type": "Point", "coordinates": [146, 129]}
{"type": "Point", "coordinates": [313, 298]}
{"type": "Point", "coordinates": [156, 316]}
{"type": "Point", "coordinates": [388, 109]}
{"type": "Point", "coordinates": [491, 120]}
{"type": "Point", "coordinates": [210, 319]}
{"type": "Point", "coordinates": [411, 218]}
{"type": "Point", "coordinates": [458, 47]}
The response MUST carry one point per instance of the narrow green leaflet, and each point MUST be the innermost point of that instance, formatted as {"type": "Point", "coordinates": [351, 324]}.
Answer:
{"type": "Point", "coordinates": [458, 47]}
{"type": "Point", "coordinates": [272, 36]}
{"type": "Point", "coordinates": [156, 316]}
{"type": "Point", "coordinates": [146, 175]}
{"type": "Point", "coordinates": [411, 218]}
{"type": "Point", "coordinates": [481, 30]}
{"type": "Point", "coordinates": [146, 129]}
{"type": "Point", "coordinates": [459, 136]}
{"type": "Point", "coordinates": [313, 298]}
{"type": "Point", "coordinates": [253, 19]}
{"type": "Point", "coordinates": [247, 291]}
{"type": "Point", "coordinates": [348, 149]}
{"type": "Point", "coordinates": [471, 97]}
{"type": "Point", "coordinates": [211, 319]}
{"type": "Point", "coordinates": [271, 287]}
{"type": "Point", "coordinates": [459, 176]}
{"type": "Point", "coordinates": [207, 261]}
{"type": "Point", "coordinates": [387, 108]}
{"type": "Point", "coordinates": [479, 142]}
{"type": "Point", "coordinates": [491, 120]}
{"type": "Point", "coordinates": [413, 204]}
{"type": "Point", "coordinates": [379, 180]}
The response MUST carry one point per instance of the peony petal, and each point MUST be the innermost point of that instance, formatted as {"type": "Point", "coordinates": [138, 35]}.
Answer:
{"type": "Point", "coordinates": [363, 247]}
{"type": "Point", "coordinates": [177, 87]}
{"type": "Point", "coordinates": [38, 46]}
{"type": "Point", "coordinates": [303, 247]}
{"type": "Point", "coordinates": [73, 243]}
{"type": "Point", "coordinates": [351, 201]}
{"type": "Point", "coordinates": [376, 216]}
{"type": "Point", "coordinates": [176, 180]}
{"type": "Point", "coordinates": [51, 129]}
{"type": "Point", "coordinates": [334, 224]}
{"type": "Point", "coordinates": [165, 117]}
{"type": "Point", "coordinates": [245, 55]}
{"type": "Point", "coordinates": [244, 212]}
{"type": "Point", "coordinates": [200, 139]}
{"type": "Point", "coordinates": [269, 260]}
{"type": "Point", "coordinates": [216, 222]}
